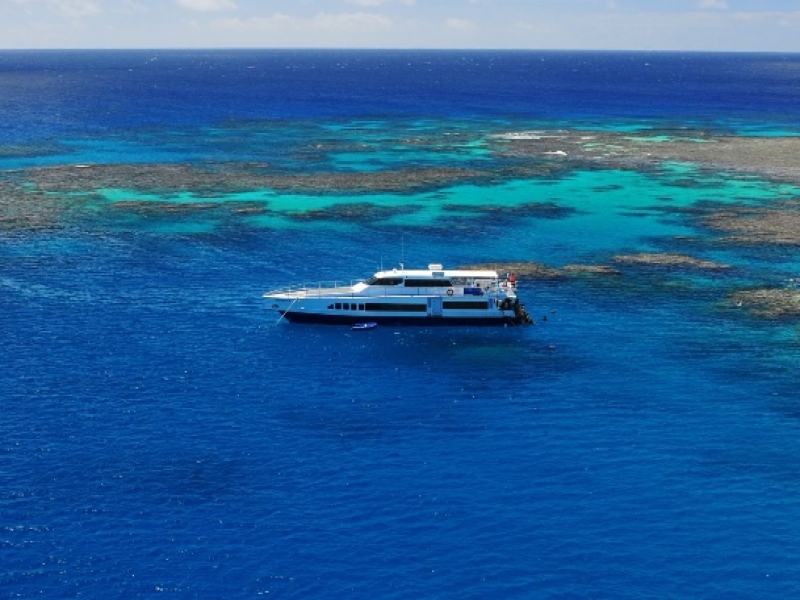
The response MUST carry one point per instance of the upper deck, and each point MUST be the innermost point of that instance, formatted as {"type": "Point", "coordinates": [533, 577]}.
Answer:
{"type": "Point", "coordinates": [433, 281]}
{"type": "Point", "coordinates": [433, 273]}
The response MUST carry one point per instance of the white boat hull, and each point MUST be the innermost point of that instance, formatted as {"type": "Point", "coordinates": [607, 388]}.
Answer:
{"type": "Point", "coordinates": [396, 310]}
{"type": "Point", "coordinates": [414, 297]}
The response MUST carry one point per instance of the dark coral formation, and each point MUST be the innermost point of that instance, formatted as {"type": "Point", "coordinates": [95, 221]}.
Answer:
{"type": "Point", "coordinates": [534, 270]}
{"type": "Point", "coordinates": [667, 260]}
{"type": "Point", "coordinates": [601, 270]}
{"type": "Point", "coordinates": [770, 303]}
{"type": "Point", "coordinates": [359, 212]}
{"type": "Point", "coordinates": [157, 207]}
{"type": "Point", "coordinates": [22, 209]}
{"type": "Point", "coordinates": [152, 207]}
{"type": "Point", "coordinates": [777, 224]}
{"type": "Point", "coordinates": [36, 198]}
{"type": "Point", "coordinates": [767, 157]}
{"type": "Point", "coordinates": [538, 210]}
{"type": "Point", "coordinates": [227, 178]}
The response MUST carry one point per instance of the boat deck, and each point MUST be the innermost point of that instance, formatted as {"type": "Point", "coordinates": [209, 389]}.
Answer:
{"type": "Point", "coordinates": [311, 291]}
{"type": "Point", "coordinates": [346, 291]}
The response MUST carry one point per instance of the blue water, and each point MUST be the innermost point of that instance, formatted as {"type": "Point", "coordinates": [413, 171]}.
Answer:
{"type": "Point", "coordinates": [163, 435]}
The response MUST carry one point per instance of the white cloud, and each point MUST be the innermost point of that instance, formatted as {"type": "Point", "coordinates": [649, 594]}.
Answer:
{"type": "Point", "coordinates": [132, 6]}
{"type": "Point", "coordinates": [713, 4]}
{"type": "Point", "coordinates": [351, 22]}
{"type": "Point", "coordinates": [207, 5]}
{"type": "Point", "coordinates": [460, 24]}
{"type": "Point", "coordinates": [345, 22]}
{"type": "Point", "coordinates": [681, 31]}
{"type": "Point", "coordinates": [366, 2]}
{"type": "Point", "coordinates": [774, 17]}
{"type": "Point", "coordinates": [69, 8]}
{"type": "Point", "coordinates": [699, 25]}
{"type": "Point", "coordinates": [78, 8]}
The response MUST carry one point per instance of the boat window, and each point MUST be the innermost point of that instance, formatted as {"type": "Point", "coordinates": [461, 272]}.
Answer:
{"type": "Point", "coordinates": [384, 280]}
{"type": "Point", "coordinates": [360, 307]}
{"type": "Point", "coordinates": [330, 306]}
{"type": "Point", "coordinates": [428, 283]}
{"type": "Point", "coordinates": [397, 307]}
{"type": "Point", "coordinates": [466, 305]}
{"type": "Point", "coordinates": [354, 307]}
{"type": "Point", "coordinates": [338, 306]}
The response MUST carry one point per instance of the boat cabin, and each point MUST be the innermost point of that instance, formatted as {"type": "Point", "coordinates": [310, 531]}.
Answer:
{"type": "Point", "coordinates": [434, 277]}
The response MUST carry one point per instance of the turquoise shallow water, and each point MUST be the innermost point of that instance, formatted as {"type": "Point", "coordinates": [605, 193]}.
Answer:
{"type": "Point", "coordinates": [609, 211]}
{"type": "Point", "coordinates": [162, 434]}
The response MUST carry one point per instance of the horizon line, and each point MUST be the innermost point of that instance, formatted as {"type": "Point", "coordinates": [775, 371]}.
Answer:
{"type": "Point", "coordinates": [377, 49]}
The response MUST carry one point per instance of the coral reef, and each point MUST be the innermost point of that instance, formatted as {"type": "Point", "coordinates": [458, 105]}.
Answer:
{"type": "Point", "coordinates": [40, 197]}
{"type": "Point", "coordinates": [668, 260]}
{"type": "Point", "coordinates": [21, 209]}
{"type": "Point", "coordinates": [358, 212]}
{"type": "Point", "coordinates": [769, 303]}
{"type": "Point", "coordinates": [534, 270]}
{"type": "Point", "coordinates": [766, 157]}
{"type": "Point", "coordinates": [153, 207]}
{"type": "Point", "coordinates": [778, 223]}
{"type": "Point", "coordinates": [227, 178]}
{"type": "Point", "coordinates": [539, 210]}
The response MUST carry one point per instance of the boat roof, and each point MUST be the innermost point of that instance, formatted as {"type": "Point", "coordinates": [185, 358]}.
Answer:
{"type": "Point", "coordinates": [436, 271]}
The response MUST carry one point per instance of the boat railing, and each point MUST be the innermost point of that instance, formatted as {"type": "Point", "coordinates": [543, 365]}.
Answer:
{"type": "Point", "coordinates": [344, 289]}
{"type": "Point", "coordinates": [318, 288]}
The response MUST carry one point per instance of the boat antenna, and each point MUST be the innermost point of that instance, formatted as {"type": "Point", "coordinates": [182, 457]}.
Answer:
{"type": "Point", "coordinates": [402, 251]}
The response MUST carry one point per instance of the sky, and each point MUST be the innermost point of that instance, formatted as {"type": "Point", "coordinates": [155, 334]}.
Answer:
{"type": "Point", "coordinates": [690, 25]}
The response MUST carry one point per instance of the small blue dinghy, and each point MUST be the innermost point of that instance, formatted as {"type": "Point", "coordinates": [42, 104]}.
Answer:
{"type": "Point", "coordinates": [360, 326]}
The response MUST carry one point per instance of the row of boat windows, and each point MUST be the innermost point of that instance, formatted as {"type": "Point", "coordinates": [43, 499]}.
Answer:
{"type": "Point", "coordinates": [482, 305]}
{"type": "Point", "coordinates": [345, 306]}
{"type": "Point", "coordinates": [374, 306]}
{"type": "Point", "coordinates": [409, 282]}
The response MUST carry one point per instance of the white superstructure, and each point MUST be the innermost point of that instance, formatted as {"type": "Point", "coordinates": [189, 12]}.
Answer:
{"type": "Point", "coordinates": [422, 296]}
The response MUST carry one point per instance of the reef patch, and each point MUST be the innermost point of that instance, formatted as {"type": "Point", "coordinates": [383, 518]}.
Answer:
{"type": "Point", "coordinates": [358, 212]}
{"type": "Point", "coordinates": [769, 303]}
{"type": "Point", "coordinates": [158, 207]}
{"type": "Point", "coordinates": [537, 210]}
{"type": "Point", "coordinates": [228, 178]}
{"type": "Point", "coordinates": [534, 270]}
{"type": "Point", "coordinates": [777, 224]}
{"type": "Point", "coordinates": [668, 260]}
{"type": "Point", "coordinates": [22, 209]}
{"type": "Point", "coordinates": [773, 158]}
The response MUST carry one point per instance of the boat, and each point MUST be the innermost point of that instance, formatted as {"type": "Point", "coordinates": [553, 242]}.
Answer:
{"type": "Point", "coordinates": [364, 326]}
{"type": "Point", "coordinates": [432, 296]}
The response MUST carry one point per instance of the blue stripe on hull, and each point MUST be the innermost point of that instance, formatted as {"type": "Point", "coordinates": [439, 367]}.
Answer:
{"type": "Point", "coordinates": [298, 317]}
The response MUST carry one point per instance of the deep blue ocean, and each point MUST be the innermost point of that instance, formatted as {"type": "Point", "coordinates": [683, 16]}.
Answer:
{"type": "Point", "coordinates": [163, 435]}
